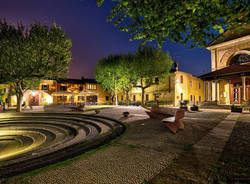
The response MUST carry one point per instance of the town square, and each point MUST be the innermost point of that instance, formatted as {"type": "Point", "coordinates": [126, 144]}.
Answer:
{"type": "Point", "coordinates": [124, 92]}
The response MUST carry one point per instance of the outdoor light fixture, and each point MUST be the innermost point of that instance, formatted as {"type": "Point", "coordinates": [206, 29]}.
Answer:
{"type": "Point", "coordinates": [33, 93]}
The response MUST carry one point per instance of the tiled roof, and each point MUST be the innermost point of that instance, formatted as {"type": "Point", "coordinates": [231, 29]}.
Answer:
{"type": "Point", "coordinates": [231, 35]}
{"type": "Point", "coordinates": [77, 81]}
{"type": "Point", "coordinates": [227, 71]}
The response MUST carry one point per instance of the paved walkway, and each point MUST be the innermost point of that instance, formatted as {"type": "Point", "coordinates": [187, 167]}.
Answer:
{"type": "Point", "coordinates": [145, 150]}
{"type": "Point", "coordinates": [193, 166]}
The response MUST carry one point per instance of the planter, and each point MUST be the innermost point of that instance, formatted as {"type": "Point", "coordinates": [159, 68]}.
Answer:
{"type": "Point", "coordinates": [184, 108]}
{"type": "Point", "coordinates": [238, 109]}
{"type": "Point", "coordinates": [125, 114]}
{"type": "Point", "coordinates": [97, 111]}
{"type": "Point", "coordinates": [194, 108]}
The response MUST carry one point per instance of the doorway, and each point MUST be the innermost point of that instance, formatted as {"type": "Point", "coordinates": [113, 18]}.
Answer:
{"type": "Point", "coordinates": [34, 99]}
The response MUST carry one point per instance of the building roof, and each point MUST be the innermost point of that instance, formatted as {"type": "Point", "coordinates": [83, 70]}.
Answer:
{"type": "Point", "coordinates": [228, 72]}
{"type": "Point", "coordinates": [231, 35]}
{"type": "Point", "coordinates": [77, 81]}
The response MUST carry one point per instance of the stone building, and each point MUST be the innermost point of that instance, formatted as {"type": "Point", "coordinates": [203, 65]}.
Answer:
{"type": "Point", "coordinates": [229, 81]}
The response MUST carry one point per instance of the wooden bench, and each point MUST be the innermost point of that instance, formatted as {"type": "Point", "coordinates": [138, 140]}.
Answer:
{"type": "Point", "coordinates": [171, 116]}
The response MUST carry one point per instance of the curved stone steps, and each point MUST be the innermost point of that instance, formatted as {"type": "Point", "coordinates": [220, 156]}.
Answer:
{"type": "Point", "coordinates": [46, 138]}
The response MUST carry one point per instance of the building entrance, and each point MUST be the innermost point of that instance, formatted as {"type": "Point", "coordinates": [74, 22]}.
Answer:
{"type": "Point", "coordinates": [237, 92]}
{"type": "Point", "coordinates": [34, 100]}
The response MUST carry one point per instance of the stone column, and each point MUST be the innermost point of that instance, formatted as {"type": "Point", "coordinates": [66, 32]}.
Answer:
{"type": "Point", "coordinates": [205, 91]}
{"type": "Point", "coordinates": [218, 91]}
{"type": "Point", "coordinates": [215, 91]}
{"type": "Point", "coordinates": [209, 91]}
{"type": "Point", "coordinates": [244, 87]}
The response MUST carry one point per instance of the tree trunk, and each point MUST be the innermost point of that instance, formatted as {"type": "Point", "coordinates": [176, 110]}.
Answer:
{"type": "Point", "coordinates": [116, 99]}
{"type": "Point", "coordinates": [19, 101]}
{"type": "Point", "coordinates": [142, 96]}
{"type": "Point", "coordinates": [127, 97]}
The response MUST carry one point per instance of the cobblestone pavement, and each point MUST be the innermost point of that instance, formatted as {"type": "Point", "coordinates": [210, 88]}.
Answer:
{"type": "Point", "coordinates": [194, 166]}
{"type": "Point", "coordinates": [146, 149]}
{"type": "Point", "coordinates": [234, 163]}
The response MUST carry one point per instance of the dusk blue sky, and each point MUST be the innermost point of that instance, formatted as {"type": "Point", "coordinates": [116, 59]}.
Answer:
{"type": "Point", "coordinates": [92, 37]}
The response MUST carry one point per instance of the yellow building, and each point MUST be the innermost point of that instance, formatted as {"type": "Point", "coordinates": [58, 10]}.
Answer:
{"type": "Point", "coordinates": [66, 91]}
{"type": "Point", "coordinates": [4, 89]}
{"type": "Point", "coordinates": [177, 86]}
{"type": "Point", "coordinates": [229, 81]}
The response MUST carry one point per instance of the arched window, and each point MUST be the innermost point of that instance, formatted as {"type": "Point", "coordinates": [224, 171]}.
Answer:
{"type": "Point", "coordinates": [240, 59]}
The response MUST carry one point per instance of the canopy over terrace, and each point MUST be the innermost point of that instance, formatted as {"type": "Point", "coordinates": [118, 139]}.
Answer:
{"type": "Point", "coordinates": [228, 73]}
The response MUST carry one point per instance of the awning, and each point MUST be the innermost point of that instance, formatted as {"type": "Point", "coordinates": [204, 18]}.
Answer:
{"type": "Point", "coordinates": [63, 93]}
{"type": "Point", "coordinates": [67, 93]}
{"type": "Point", "coordinates": [87, 93]}
{"type": "Point", "coordinates": [227, 73]}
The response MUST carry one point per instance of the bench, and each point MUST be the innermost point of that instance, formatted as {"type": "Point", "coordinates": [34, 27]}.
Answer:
{"type": "Point", "coordinates": [171, 116]}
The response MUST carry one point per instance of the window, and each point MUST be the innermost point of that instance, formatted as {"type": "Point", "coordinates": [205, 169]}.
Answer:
{"type": "Point", "coordinates": [199, 98]}
{"type": "Point", "coordinates": [147, 97]}
{"type": "Point", "coordinates": [134, 98]}
{"type": "Point", "coordinates": [63, 88]}
{"type": "Point", "coordinates": [80, 88]}
{"type": "Point", "coordinates": [191, 98]}
{"type": "Point", "coordinates": [45, 87]}
{"type": "Point", "coordinates": [181, 79]}
{"type": "Point", "coordinates": [5, 90]}
{"type": "Point", "coordinates": [80, 98]}
{"type": "Point", "coordinates": [62, 98]}
{"type": "Point", "coordinates": [107, 98]}
{"type": "Point", "coordinates": [156, 80]}
{"type": "Point", "coordinates": [191, 84]}
{"type": "Point", "coordinates": [122, 98]}
{"type": "Point", "coordinates": [181, 96]}
{"type": "Point", "coordinates": [91, 87]}
{"type": "Point", "coordinates": [199, 85]}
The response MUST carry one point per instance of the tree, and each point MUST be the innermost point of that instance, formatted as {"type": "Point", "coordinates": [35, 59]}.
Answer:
{"type": "Point", "coordinates": [151, 65]}
{"type": "Point", "coordinates": [116, 74]}
{"type": "Point", "coordinates": [127, 74]}
{"type": "Point", "coordinates": [198, 21]}
{"type": "Point", "coordinates": [30, 54]}
{"type": "Point", "coordinates": [1, 96]}
{"type": "Point", "coordinates": [107, 73]}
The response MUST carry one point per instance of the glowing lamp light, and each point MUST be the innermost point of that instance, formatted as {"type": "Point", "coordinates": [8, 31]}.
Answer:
{"type": "Point", "coordinates": [33, 93]}
{"type": "Point", "coordinates": [49, 100]}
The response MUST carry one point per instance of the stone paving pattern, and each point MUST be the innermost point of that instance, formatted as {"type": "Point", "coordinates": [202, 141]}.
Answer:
{"type": "Point", "coordinates": [194, 166]}
{"type": "Point", "coordinates": [145, 150]}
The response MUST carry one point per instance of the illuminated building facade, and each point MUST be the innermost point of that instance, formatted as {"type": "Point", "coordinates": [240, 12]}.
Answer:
{"type": "Point", "coordinates": [177, 86]}
{"type": "Point", "coordinates": [229, 81]}
{"type": "Point", "coordinates": [66, 91]}
{"type": "Point", "coordinates": [4, 90]}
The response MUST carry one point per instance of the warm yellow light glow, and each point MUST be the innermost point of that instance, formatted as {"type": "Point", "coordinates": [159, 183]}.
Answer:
{"type": "Point", "coordinates": [15, 146]}
{"type": "Point", "coordinates": [33, 93]}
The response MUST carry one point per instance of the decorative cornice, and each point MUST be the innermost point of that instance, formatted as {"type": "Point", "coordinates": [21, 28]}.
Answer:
{"type": "Point", "coordinates": [244, 38]}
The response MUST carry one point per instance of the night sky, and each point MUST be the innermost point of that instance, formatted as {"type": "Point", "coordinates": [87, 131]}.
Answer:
{"type": "Point", "coordinates": [92, 37]}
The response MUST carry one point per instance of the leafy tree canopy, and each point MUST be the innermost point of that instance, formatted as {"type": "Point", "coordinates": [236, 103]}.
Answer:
{"type": "Point", "coordinates": [198, 21]}
{"type": "Point", "coordinates": [118, 73]}
{"type": "Point", "coordinates": [151, 65]}
{"type": "Point", "coordinates": [109, 72]}
{"type": "Point", "coordinates": [29, 54]}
